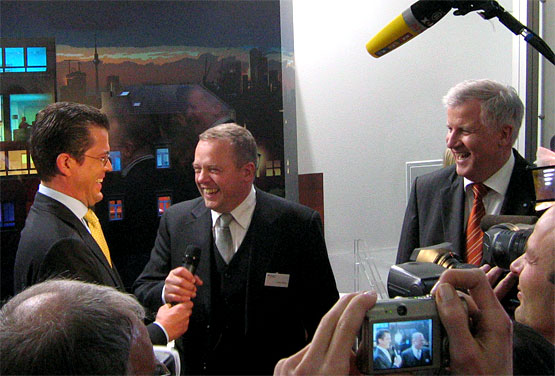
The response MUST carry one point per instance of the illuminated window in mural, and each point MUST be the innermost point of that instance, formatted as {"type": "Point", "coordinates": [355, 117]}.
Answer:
{"type": "Point", "coordinates": [273, 168]}
{"type": "Point", "coordinates": [115, 159]}
{"type": "Point", "coordinates": [162, 158]}
{"type": "Point", "coordinates": [23, 59]}
{"type": "Point", "coordinates": [115, 208]}
{"type": "Point", "coordinates": [164, 202]}
{"type": "Point", "coordinates": [7, 215]}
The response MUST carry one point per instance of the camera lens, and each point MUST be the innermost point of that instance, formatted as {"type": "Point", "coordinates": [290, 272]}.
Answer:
{"type": "Point", "coordinates": [402, 310]}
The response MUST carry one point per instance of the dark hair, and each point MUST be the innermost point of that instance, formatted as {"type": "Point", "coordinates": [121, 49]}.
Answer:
{"type": "Point", "coordinates": [381, 333]}
{"type": "Point", "coordinates": [68, 327]}
{"type": "Point", "coordinates": [63, 127]}
{"type": "Point", "coordinates": [240, 138]}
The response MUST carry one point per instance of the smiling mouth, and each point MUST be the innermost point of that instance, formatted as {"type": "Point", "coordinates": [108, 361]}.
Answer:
{"type": "Point", "coordinates": [210, 191]}
{"type": "Point", "coordinates": [461, 156]}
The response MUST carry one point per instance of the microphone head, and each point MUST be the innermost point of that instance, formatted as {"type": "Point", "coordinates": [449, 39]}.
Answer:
{"type": "Point", "coordinates": [191, 258]}
{"type": "Point", "coordinates": [419, 17]}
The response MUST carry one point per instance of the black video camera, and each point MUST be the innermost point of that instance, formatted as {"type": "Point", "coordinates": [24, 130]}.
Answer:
{"type": "Point", "coordinates": [504, 241]}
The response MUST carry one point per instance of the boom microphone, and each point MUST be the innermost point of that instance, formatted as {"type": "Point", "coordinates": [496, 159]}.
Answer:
{"type": "Point", "coordinates": [191, 258]}
{"type": "Point", "coordinates": [420, 16]}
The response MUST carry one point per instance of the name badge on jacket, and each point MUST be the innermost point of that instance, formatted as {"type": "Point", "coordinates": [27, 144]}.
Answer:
{"type": "Point", "coordinates": [276, 280]}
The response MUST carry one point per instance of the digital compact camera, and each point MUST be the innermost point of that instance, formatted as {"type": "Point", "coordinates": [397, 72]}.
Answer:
{"type": "Point", "coordinates": [402, 335]}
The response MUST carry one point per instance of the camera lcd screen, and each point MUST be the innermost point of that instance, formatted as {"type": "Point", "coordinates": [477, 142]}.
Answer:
{"type": "Point", "coordinates": [402, 344]}
{"type": "Point", "coordinates": [544, 184]}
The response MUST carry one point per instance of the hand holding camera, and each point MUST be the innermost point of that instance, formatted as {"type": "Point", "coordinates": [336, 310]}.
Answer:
{"type": "Point", "coordinates": [482, 345]}
{"type": "Point", "coordinates": [487, 348]}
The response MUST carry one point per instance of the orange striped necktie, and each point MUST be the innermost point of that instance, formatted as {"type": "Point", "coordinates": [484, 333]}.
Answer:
{"type": "Point", "coordinates": [97, 234]}
{"type": "Point", "coordinates": [474, 234]}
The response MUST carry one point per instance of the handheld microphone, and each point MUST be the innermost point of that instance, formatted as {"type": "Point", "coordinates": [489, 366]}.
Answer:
{"type": "Point", "coordinates": [191, 258]}
{"type": "Point", "coordinates": [420, 16]}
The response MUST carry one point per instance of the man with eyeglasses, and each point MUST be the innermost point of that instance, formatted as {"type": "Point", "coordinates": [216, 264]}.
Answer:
{"type": "Point", "coordinates": [62, 236]}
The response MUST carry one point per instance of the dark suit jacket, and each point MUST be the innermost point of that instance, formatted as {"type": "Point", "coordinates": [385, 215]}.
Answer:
{"type": "Point", "coordinates": [435, 212]}
{"type": "Point", "coordinates": [409, 360]}
{"type": "Point", "coordinates": [287, 239]}
{"type": "Point", "coordinates": [381, 361]}
{"type": "Point", "coordinates": [55, 243]}
{"type": "Point", "coordinates": [533, 354]}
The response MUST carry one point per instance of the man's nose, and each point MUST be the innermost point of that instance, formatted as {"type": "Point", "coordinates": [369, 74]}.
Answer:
{"type": "Point", "coordinates": [451, 139]}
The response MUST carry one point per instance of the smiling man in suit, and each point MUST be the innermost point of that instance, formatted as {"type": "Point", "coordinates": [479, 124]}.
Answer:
{"type": "Point", "coordinates": [267, 280]}
{"type": "Point", "coordinates": [483, 120]}
{"type": "Point", "coordinates": [62, 236]}
{"type": "Point", "coordinates": [417, 354]}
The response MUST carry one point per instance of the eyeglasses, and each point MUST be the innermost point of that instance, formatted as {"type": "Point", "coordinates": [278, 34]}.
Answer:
{"type": "Point", "coordinates": [104, 160]}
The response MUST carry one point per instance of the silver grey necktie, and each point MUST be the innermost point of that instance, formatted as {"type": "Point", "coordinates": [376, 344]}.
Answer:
{"type": "Point", "coordinates": [223, 237]}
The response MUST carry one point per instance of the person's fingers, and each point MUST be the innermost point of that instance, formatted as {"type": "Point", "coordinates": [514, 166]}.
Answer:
{"type": "Point", "coordinates": [505, 285]}
{"type": "Point", "coordinates": [349, 324]}
{"type": "Point", "coordinates": [288, 365]}
{"type": "Point", "coordinates": [326, 328]}
{"type": "Point", "coordinates": [493, 274]}
{"type": "Point", "coordinates": [455, 321]}
{"type": "Point", "coordinates": [476, 282]}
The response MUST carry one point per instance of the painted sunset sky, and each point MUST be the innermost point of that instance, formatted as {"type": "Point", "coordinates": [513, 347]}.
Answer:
{"type": "Point", "coordinates": [149, 41]}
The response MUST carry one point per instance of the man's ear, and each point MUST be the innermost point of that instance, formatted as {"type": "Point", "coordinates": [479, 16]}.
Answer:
{"type": "Point", "coordinates": [249, 170]}
{"type": "Point", "coordinates": [507, 135]}
{"type": "Point", "coordinates": [65, 163]}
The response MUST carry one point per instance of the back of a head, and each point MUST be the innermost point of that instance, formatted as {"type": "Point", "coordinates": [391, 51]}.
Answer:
{"type": "Point", "coordinates": [500, 104]}
{"type": "Point", "coordinates": [68, 327]}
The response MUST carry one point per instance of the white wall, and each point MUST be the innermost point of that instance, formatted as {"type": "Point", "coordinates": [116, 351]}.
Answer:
{"type": "Point", "coordinates": [359, 119]}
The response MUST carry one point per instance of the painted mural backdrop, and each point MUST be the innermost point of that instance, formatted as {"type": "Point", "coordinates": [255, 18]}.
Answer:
{"type": "Point", "coordinates": [163, 71]}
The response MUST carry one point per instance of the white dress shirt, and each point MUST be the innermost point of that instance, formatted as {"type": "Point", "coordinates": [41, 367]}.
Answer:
{"type": "Point", "coordinates": [242, 216]}
{"type": "Point", "coordinates": [497, 184]}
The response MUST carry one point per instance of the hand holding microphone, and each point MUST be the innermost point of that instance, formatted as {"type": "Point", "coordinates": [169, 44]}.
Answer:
{"type": "Point", "coordinates": [181, 284]}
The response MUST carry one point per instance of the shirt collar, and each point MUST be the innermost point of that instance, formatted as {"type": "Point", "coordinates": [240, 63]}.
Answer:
{"type": "Point", "coordinates": [76, 206]}
{"type": "Point", "coordinates": [242, 213]}
{"type": "Point", "coordinates": [498, 182]}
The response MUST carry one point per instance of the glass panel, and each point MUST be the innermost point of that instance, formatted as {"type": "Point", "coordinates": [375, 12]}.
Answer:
{"type": "Point", "coordinates": [7, 215]}
{"type": "Point", "coordinates": [17, 160]}
{"type": "Point", "coordinates": [115, 157]}
{"type": "Point", "coordinates": [116, 210]}
{"type": "Point", "coordinates": [162, 158]}
{"type": "Point", "coordinates": [36, 57]}
{"type": "Point", "coordinates": [164, 202]}
{"type": "Point", "coordinates": [14, 58]}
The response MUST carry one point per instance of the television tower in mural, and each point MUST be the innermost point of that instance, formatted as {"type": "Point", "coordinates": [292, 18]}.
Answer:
{"type": "Point", "coordinates": [75, 89]}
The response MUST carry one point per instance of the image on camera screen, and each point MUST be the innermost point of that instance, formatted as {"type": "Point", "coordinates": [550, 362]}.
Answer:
{"type": "Point", "coordinates": [402, 344]}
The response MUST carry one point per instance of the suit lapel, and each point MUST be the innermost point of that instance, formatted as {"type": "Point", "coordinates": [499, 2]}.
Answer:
{"type": "Point", "coordinates": [264, 238]}
{"type": "Point", "coordinates": [452, 198]}
{"type": "Point", "coordinates": [46, 203]}
{"type": "Point", "coordinates": [200, 229]}
{"type": "Point", "coordinates": [519, 198]}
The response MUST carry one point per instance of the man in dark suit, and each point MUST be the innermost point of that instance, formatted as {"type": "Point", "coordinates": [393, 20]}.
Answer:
{"type": "Point", "coordinates": [70, 149]}
{"type": "Point", "coordinates": [262, 299]}
{"type": "Point", "coordinates": [417, 354]}
{"type": "Point", "coordinates": [384, 358]}
{"type": "Point", "coordinates": [483, 120]}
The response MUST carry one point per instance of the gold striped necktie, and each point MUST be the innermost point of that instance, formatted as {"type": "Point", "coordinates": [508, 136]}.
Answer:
{"type": "Point", "coordinates": [97, 234]}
